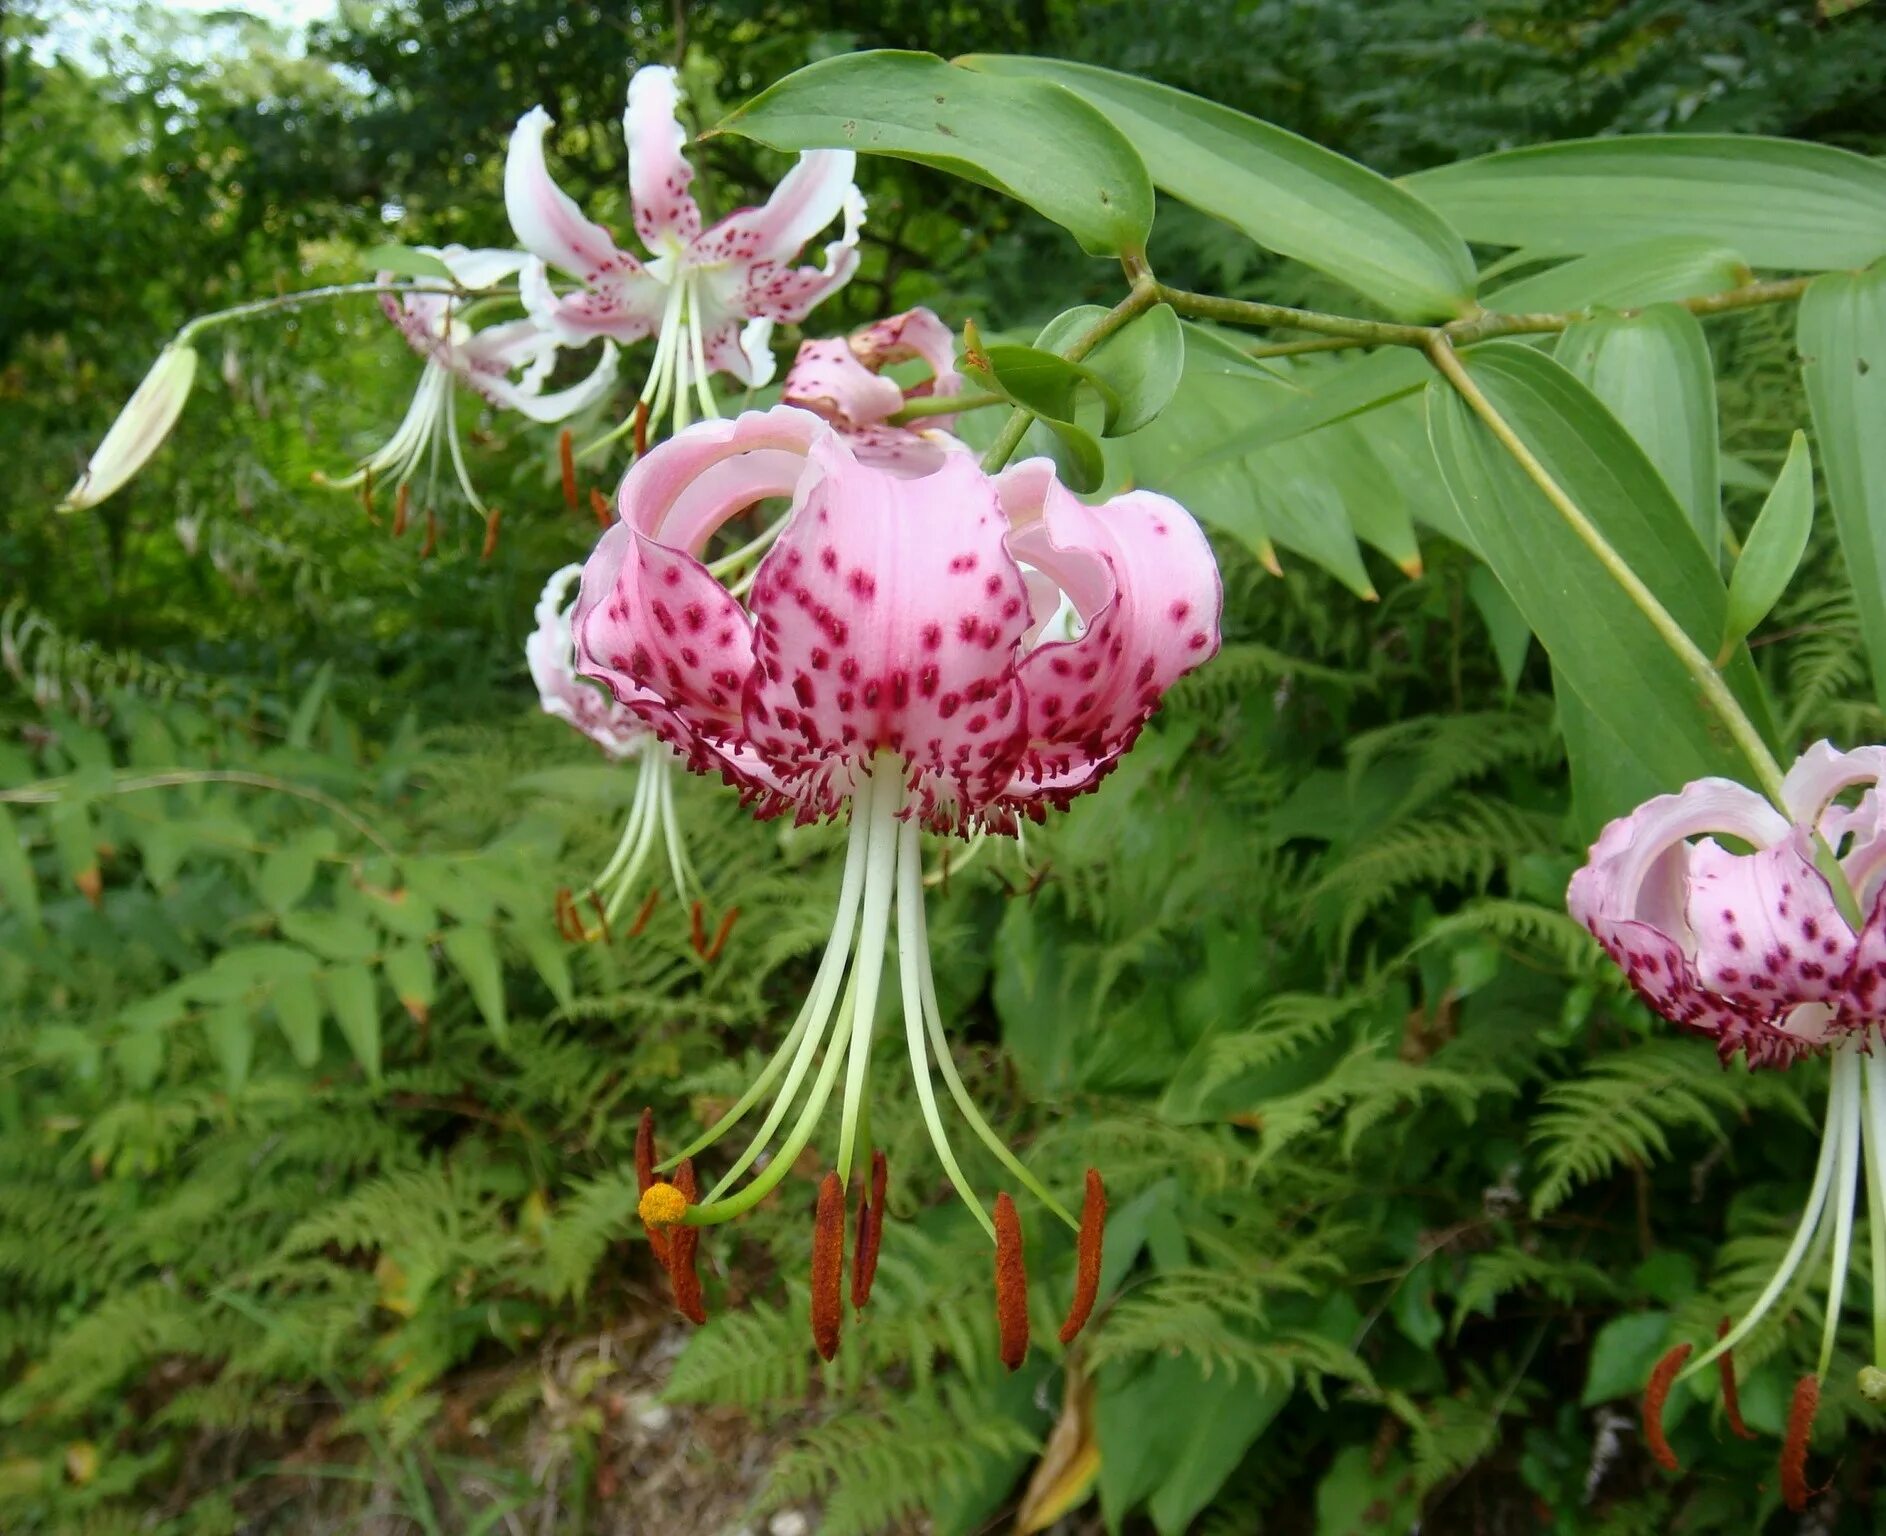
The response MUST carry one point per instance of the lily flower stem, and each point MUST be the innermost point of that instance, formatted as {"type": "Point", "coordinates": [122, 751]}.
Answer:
{"type": "Point", "coordinates": [314, 296]}
{"type": "Point", "coordinates": [1708, 680]}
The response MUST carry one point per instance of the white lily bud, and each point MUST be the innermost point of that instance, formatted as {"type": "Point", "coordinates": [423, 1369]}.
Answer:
{"type": "Point", "coordinates": [140, 429]}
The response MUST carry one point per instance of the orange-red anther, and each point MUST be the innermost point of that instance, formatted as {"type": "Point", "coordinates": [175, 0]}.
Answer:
{"type": "Point", "coordinates": [697, 930]}
{"type": "Point", "coordinates": [727, 920]}
{"type": "Point", "coordinates": [1731, 1399]}
{"type": "Point", "coordinates": [1807, 1399]}
{"type": "Point", "coordinates": [602, 915]}
{"type": "Point", "coordinates": [402, 504]}
{"type": "Point", "coordinates": [642, 917]}
{"type": "Point", "coordinates": [864, 1258]}
{"type": "Point", "coordinates": [1087, 1260]}
{"type": "Point", "coordinates": [599, 504]}
{"type": "Point", "coordinates": [683, 1242]}
{"type": "Point", "coordinates": [641, 428]}
{"type": "Point", "coordinates": [1656, 1393]}
{"type": "Point", "coordinates": [1011, 1283]}
{"type": "Point", "coordinates": [645, 1176]}
{"type": "Point", "coordinates": [366, 496]}
{"type": "Point", "coordinates": [432, 535]}
{"type": "Point", "coordinates": [566, 457]}
{"type": "Point", "coordinates": [492, 519]}
{"type": "Point", "coordinates": [828, 1266]}
{"type": "Point", "coordinates": [566, 916]}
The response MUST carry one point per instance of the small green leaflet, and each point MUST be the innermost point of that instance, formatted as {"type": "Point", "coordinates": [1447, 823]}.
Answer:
{"type": "Point", "coordinates": [1774, 548]}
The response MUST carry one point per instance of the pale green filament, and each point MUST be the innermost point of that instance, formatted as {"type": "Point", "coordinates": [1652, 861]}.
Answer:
{"type": "Point", "coordinates": [883, 798]}
{"type": "Point", "coordinates": [910, 945]}
{"type": "Point", "coordinates": [1875, 1071]}
{"type": "Point", "coordinates": [678, 866]}
{"type": "Point", "coordinates": [1804, 1234]}
{"type": "Point", "coordinates": [1846, 1180]}
{"type": "Point", "coordinates": [824, 986]}
{"type": "Point", "coordinates": [939, 1045]}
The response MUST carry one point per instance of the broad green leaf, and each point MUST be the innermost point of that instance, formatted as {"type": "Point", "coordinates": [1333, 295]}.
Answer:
{"type": "Point", "coordinates": [298, 1015]}
{"type": "Point", "coordinates": [16, 873]}
{"type": "Point", "coordinates": [1211, 352]}
{"type": "Point", "coordinates": [1654, 373]}
{"type": "Point", "coordinates": [475, 958]}
{"type": "Point", "coordinates": [549, 957]}
{"type": "Point", "coordinates": [1041, 381]}
{"type": "Point", "coordinates": [404, 261]}
{"type": "Point", "coordinates": [332, 935]}
{"type": "Point", "coordinates": [1649, 272]}
{"type": "Point", "coordinates": [232, 1042]}
{"type": "Point", "coordinates": [1141, 363]}
{"type": "Point", "coordinates": [1603, 647]}
{"type": "Point", "coordinates": [1317, 396]}
{"type": "Point", "coordinates": [1774, 547]}
{"type": "Point", "coordinates": [1056, 391]}
{"type": "Point", "coordinates": [1287, 194]}
{"type": "Point", "coordinates": [308, 711]}
{"type": "Point", "coordinates": [250, 968]}
{"type": "Point", "coordinates": [1030, 139]}
{"type": "Point", "coordinates": [1777, 202]}
{"type": "Point", "coordinates": [1506, 625]}
{"type": "Point", "coordinates": [1842, 342]}
{"type": "Point", "coordinates": [286, 873]}
{"type": "Point", "coordinates": [409, 972]}
{"type": "Point", "coordinates": [1622, 1356]}
{"type": "Point", "coordinates": [140, 1057]}
{"type": "Point", "coordinates": [356, 1007]}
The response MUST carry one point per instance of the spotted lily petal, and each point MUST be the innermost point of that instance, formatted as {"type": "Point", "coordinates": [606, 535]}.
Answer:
{"type": "Point", "coordinates": [666, 216]}
{"type": "Point", "coordinates": [550, 652]}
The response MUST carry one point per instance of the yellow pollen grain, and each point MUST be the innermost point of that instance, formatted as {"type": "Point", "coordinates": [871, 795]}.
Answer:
{"type": "Point", "coordinates": [662, 1205]}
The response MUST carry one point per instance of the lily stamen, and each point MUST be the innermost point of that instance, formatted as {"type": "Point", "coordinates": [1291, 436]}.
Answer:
{"type": "Point", "coordinates": [1731, 1397]}
{"type": "Point", "coordinates": [828, 1266]}
{"type": "Point", "coordinates": [1656, 1393]}
{"type": "Point", "coordinates": [1088, 1254]}
{"type": "Point", "coordinates": [1801, 1410]}
{"type": "Point", "coordinates": [864, 1258]}
{"type": "Point", "coordinates": [1011, 1283]}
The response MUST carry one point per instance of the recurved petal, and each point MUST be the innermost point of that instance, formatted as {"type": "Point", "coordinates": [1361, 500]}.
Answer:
{"type": "Point", "coordinates": [543, 216]}
{"type": "Point", "coordinates": [659, 174]}
{"type": "Point", "coordinates": [915, 333]}
{"type": "Point", "coordinates": [809, 197]}
{"type": "Point", "coordinates": [667, 628]}
{"type": "Point", "coordinates": [1639, 867]}
{"type": "Point", "coordinates": [889, 616]}
{"type": "Point", "coordinates": [1767, 933]}
{"type": "Point", "coordinates": [827, 377]}
{"type": "Point", "coordinates": [1141, 577]}
{"type": "Point", "coordinates": [478, 269]}
{"type": "Point", "coordinates": [550, 652]}
{"type": "Point", "coordinates": [528, 401]}
{"type": "Point", "coordinates": [625, 306]}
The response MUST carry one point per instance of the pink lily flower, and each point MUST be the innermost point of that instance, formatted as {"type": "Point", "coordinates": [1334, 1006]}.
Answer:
{"type": "Point", "coordinates": [1762, 953]}
{"type": "Point", "coordinates": [550, 652]}
{"type": "Point", "coordinates": [436, 325]}
{"type": "Point", "coordinates": [842, 379]}
{"type": "Point", "coordinates": [710, 296]}
{"type": "Point", "coordinates": [894, 665]}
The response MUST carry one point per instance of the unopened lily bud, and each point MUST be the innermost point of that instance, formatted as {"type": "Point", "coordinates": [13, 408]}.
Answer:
{"type": "Point", "coordinates": [140, 429]}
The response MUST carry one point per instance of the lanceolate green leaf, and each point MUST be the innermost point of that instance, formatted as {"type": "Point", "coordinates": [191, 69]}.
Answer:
{"type": "Point", "coordinates": [1653, 371]}
{"type": "Point", "coordinates": [1774, 546]}
{"type": "Point", "coordinates": [1287, 194]}
{"type": "Point", "coordinates": [1603, 647]}
{"type": "Point", "coordinates": [356, 1007]}
{"type": "Point", "coordinates": [473, 955]}
{"type": "Point", "coordinates": [1031, 139]}
{"type": "Point", "coordinates": [16, 873]}
{"type": "Point", "coordinates": [1842, 341]}
{"type": "Point", "coordinates": [1778, 203]}
{"type": "Point", "coordinates": [1647, 272]}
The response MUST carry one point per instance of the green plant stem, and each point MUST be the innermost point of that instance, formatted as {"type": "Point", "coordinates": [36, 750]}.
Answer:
{"type": "Point", "coordinates": [50, 791]}
{"type": "Point", "coordinates": [1708, 680]}
{"type": "Point", "coordinates": [1351, 331]}
{"type": "Point", "coordinates": [941, 405]}
{"type": "Point", "coordinates": [1145, 293]}
{"type": "Point", "coordinates": [315, 295]}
